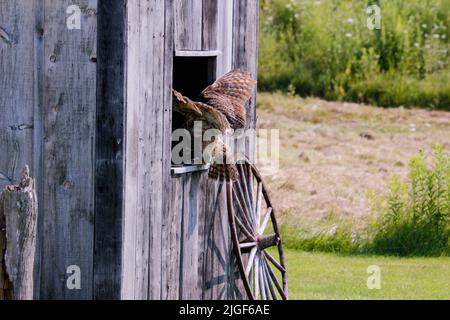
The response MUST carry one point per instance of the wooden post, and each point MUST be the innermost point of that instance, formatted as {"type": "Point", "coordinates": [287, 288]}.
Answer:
{"type": "Point", "coordinates": [18, 213]}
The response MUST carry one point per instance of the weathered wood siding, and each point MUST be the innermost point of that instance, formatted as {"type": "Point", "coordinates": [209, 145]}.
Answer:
{"type": "Point", "coordinates": [109, 149]}
{"type": "Point", "coordinates": [69, 103]}
{"type": "Point", "coordinates": [148, 64]}
{"type": "Point", "coordinates": [90, 111]}
{"type": "Point", "coordinates": [18, 97]}
{"type": "Point", "coordinates": [48, 87]}
{"type": "Point", "coordinates": [188, 24]}
{"type": "Point", "coordinates": [245, 51]}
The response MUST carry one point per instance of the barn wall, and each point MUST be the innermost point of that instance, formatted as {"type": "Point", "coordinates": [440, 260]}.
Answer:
{"type": "Point", "coordinates": [109, 150]}
{"type": "Point", "coordinates": [245, 52]}
{"type": "Point", "coordinates": [147, 161]}
{"type": "Point", "coordinates": [48, 106]}
{"type": "Point", "coordinates": [18, 99]}
{"type": "Point", "coordinates": [199, 240]}
{"type": "Point", "coordinates": [69, 102]}
{"type": "Point", "coordinates": [94, 124]}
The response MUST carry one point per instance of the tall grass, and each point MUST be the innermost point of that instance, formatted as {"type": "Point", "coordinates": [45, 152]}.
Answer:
{"type": "Point", "coordinates": [412, 220]}
{"type": "Point", "coordinates": [324, 48]}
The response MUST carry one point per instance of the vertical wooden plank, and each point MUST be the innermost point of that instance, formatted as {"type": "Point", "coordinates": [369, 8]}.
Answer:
{"type": "Point", "coordinates": [158, 90]}
{"type": "Point", "coordinates": [245, 51]}
{"type": "Point", "coordinates": [222, 249]}
{"type": "Point", "coordinates": [131, 149]}
{"type": "Point", "coordinates": [171, 219]}
{"type": "Point", "coordinates": [20, 102]}
{"type": "Point", "coordinates": [186, 242]}
{"type": "Point", "coordinates": [144, 179]}
{"type": "Point", "coordinates": [38, 162]}
{"type": "Point", "coordinates": [17, 87]}
{"type": "Point", "coordinates": [202, 212]}
{"type": "Point", "coordinates": [109, 150]}
{"type": "Point", "coordinates": [207, 234]}
{"type": "Point", "coordinates": [172, 242]}
{"type": "Point", "coordinates": [188, 24]}
{"type": "Point", "coordinates": [69, 128]}
{"type": "Point", "coordinates": [144, 166]}
{"type": "Point", "coordinates": [225, 36]}
{"type": "Point", "coordinates": [210, 24]}
{"type": "Point", "coordinates": [217, 245]}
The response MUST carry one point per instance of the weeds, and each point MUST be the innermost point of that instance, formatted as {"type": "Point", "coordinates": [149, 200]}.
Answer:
{"type": "Point", "coordinates": [324, 48]}
{"type": "Point", "coordinates": [413, 220]}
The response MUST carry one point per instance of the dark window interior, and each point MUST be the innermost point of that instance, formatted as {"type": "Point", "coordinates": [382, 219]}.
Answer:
{"type": "Point", "coordinates": [191, 75]}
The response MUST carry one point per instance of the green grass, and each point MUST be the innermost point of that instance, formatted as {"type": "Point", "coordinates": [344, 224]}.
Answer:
{"type": "Point", "coordinates": [326, 276]}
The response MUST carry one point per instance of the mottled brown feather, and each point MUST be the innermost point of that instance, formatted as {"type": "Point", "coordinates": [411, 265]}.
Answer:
{"type": "Point", "coordinates": [229, 95]}
{"type": "Point", "coordinates": [224, 108]}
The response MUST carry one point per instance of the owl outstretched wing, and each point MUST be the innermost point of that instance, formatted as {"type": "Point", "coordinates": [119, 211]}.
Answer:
{"type": "Point", "coordinates": [198, 111]}
{"type": "Point", "coordinates": [229, 95]}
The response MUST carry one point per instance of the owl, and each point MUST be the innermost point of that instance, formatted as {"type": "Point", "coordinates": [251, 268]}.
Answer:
{"type": "Point", "coordinates": [222, 107]}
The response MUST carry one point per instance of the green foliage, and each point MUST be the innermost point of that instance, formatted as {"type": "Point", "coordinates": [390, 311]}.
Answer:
{"type": "Point", "coordinates": [416, 220]}
{"type": "Point", "coordinates": [413, 220]}
{"type": "Point", "coordinates": [324, 48]}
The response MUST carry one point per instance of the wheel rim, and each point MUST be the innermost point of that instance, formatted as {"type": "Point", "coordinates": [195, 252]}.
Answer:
{"type": "Point", "coordinates": [254, 231]}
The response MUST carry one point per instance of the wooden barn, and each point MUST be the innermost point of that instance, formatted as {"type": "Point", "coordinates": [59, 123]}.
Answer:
{"type": "Point", "coordinates": [89, 109]}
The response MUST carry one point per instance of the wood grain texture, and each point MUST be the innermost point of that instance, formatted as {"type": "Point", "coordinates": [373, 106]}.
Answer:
{"type": "Point", "coordinates": [225, 36]}
{"type": "Point", "coordinates": [188, 24]}
{"type": "Point", "coordinates": [245, 52]}
{"type": "Point", "coordinates": [95, 128]}
{"type": "Point", "coordinates": [210, 24]}
{"type": "Point", "coordinates": [109, 150]}
{"type": "Point", "coordinates": [144, 164]}
{"type": "Point", "coordinates": [18, 215]}
{"type": "Point", "coordinates": [172, 241]}
{"type": "Point", "coordinates": [69, 101]}
{"type": "Point", "coordinates": [17, 88]}
{"type": "Point", "coordinates": [171, 188]}
{"type": "Point", "coordinates": [128, 274]}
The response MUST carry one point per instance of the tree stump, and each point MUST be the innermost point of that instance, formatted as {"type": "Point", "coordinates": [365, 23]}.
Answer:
{"type": "Point", "coordinates": [18, 215]}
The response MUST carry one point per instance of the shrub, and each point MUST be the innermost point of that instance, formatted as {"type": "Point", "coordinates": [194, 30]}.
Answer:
{"type": "Point", "coordinates": [324, 48]}
{"type": "Point", "coordinates": [413, 220]}
{"type": "Point", "coordinates": [416, 220]}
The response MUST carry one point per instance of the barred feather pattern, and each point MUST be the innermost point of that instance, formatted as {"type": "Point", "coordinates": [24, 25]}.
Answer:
{"type": "Point", "coordinates": [222, 167]}
{"type": "Point", "coordinates": [223, 172]}
{"type": "Point", "coordinates": [223, 108]}
{"type": "Point", "coordinates": [229, 96]}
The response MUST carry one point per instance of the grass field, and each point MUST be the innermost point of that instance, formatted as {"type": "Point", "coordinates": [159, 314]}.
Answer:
{"type": "Point", "coordinates": [326, 276]}
{"type": "Point", "coordinates": [332, 154]}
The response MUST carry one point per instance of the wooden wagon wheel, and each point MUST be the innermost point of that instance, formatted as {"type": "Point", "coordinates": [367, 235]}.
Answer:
{"type": "Point", "coordinates": [254, 231]}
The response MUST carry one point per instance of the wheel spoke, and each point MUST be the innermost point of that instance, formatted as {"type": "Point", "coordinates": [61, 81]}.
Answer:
{"type": "Point", "coordinates": [268, 282]}
{"type": "Point", "coordinates": [244, 228]}
{"type": "Point", "coordinates": [265, 221]}
{"type": "Point", "coordinates": [245, 213]}
{"type": "Point", "coordinates": [256, 278]}
{"type": "Point", "coordinates": [258, 205]}
{"type": "Point", "coordinates": [251, 259]}
{"type": "Point", "coordinates": [250, 178]}
{"type": "Point", "coordinates": [247, 245]}
{"type": "Point", "coordinates": [277, 283]}
{"type": "Point", "coordinates": [244, 219]}
{"type": "Point", "coordinates": [274, 262]}
{"type": "Point", "coordinates": [245, 188]}
{"type": "Point", "coordinates": [262, 283]}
